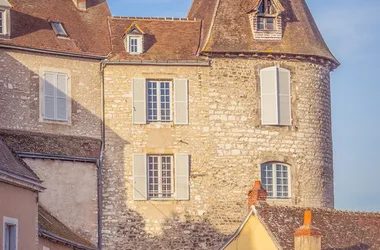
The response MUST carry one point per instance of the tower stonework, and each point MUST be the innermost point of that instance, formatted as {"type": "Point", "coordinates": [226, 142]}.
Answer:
{"type": "Point", "coordinates": [228, 142]}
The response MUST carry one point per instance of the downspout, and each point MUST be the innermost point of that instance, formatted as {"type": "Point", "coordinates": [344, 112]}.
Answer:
{"type": "Point", "coordinates": [100, 161]}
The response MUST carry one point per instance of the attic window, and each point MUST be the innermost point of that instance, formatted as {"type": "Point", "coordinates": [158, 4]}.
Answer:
{"type": "Point", "coordinates": [5, 22]}
{"type": "Point", "coordinates": [134, 40]}
{"type": "Point", "coordinates": [2, 15]}
{"type": "Point", "coordinates": [266, 23]}
{"type": "Point", "coordinates": [59, 29]}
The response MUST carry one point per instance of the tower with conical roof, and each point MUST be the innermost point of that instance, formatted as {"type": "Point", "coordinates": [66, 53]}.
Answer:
{"type": "Point", "coordinates": [199, 108]}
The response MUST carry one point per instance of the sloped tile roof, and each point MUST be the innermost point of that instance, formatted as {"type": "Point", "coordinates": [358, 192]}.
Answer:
{"type": "Point", "coordinates": [163, 40]}
{"type": "Point", "coordinates": [51, 228]}
{"type": "Point", "coordinates": [340, 229]}
{"type": "Point", "coordinates": [12, 164]}
{"type": "Point", "coordinates": [87, 30]}
{"type": "Point", "coordinates": [229, 30]}
{"type": "Point", "coordinates": [42, 143]}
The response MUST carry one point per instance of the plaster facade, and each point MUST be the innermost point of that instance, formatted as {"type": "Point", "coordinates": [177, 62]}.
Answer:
{"type": "Point", "coordinates": [226, 143]}
{"type": "Point", "coordinates": [14, 201]}
{"type": "Point", "coordinates": [71, 193]}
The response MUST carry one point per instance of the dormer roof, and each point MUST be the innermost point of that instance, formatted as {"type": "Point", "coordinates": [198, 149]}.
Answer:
{"type": "Point", "coordinates": [134, 29]}
{"type": "Point", "coordinates": [5, 3]}
{"type": "Point", "coordinates": [227, 29]}
{"type": "Point", "coordinates": [277, 4]}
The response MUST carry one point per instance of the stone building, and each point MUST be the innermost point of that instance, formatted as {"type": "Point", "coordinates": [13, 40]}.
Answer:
{"type": "Point", "coordinates": [148, 132]}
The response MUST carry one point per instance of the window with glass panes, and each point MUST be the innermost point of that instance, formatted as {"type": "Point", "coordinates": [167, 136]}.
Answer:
{"type": "Point", "coordinates": [160, 176]}
{"type": "Point", "coordinates": [275, 179]}
{"type": "Point", "coordinates": [133, 44]}
{"type": "Point", "coordinates": [265, 23]}
{"type": "Point", "coordinates": [159, 101]}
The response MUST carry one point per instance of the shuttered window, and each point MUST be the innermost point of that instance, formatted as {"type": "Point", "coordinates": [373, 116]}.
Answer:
{"type": "Point", "coordinates": [10, 233]}
{"type": "Point", "coordinates": [275, 96]}
{"type": "Point", "coordinates": [161, 176]}
{"type": "Point", "coordinates": [55, 101]}
{"type": "Point", "coordinates": [153, 101]}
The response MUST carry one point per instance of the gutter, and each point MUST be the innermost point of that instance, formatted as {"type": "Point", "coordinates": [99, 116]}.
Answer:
{"type": "Point", "coordinates": [53, 52]}
{"type": "Point", "coordinates": [56, 157]}
{"type": "Point", "coordinates": [100, 162]}
{"type": "Point", "coordinates": [63, 240]}
{"type": "Point", "coordinates": [159, 62]}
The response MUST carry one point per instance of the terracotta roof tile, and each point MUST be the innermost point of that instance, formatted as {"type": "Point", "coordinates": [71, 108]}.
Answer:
{"type": "Point", "coordinates": [163, 40]}
{"type": "Point", "coordinates": [11, 163]}
{"type": "Point", "coordinates": [231, 30]}
{"type": "Point", "coordinates": [340, 229]}
{"type": "Point", "coordinates": [41, 143]}
{"type": "Point", "coordinates": [87, 30]}
{"type": "Point", "coordinates": [51, 228]}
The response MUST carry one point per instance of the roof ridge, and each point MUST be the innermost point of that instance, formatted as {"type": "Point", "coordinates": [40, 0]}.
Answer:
{"type": "Point", "coordinates": [155, 18]}
{"type": "Point", "coordinates": [332, 210]}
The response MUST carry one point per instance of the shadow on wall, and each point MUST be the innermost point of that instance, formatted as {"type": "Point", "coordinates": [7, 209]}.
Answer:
{"type": "Point", "coordinates": [127, 228]}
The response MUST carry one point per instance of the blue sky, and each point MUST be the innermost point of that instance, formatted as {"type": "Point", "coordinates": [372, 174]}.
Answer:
{"type": "Point", "coordinates": [352, 32]}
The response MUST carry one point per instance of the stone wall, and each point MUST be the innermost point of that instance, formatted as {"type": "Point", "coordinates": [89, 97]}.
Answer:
{"type": "Point", "coordinates": [227, 144]}
{"type": "Point", "coordinates": [20, 93]}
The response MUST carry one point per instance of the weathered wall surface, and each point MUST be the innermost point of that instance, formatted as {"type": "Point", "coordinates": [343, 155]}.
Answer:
{"type": "Point", "coordinates": [51, 245]}
{"type": "Point", "coordinates": [20, 204]}
{"type": "Point", "coordinates": [20, 93]}
{"type": "Point", "coordinates": [227, 144]}
{"type": "Point", "coordinates": [71, 193]}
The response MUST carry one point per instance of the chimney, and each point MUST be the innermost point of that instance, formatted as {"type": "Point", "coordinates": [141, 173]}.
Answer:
{"type": "Point", "coordinates": [307, 237]}
{"type": "Point", "coordinates": [256, 194]}
{"type": "Point", "coordinates": [80, 4]}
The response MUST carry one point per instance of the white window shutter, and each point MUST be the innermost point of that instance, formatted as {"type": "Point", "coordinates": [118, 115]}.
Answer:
{"type": "Point", "coordinates": [49, 95]}
{"type": "Point", "coordinates": [182, 173]}
{"type": "Point", "coordinates": [140, 185]}
{"type": "Point", "coordinates": [139, 101]}
{"type": "Point", "coordinates": [62, 97]}
{"type": "Point", "coordinates": [269, 100]}
{"type": "Point", "coordinates": [181, 101]}
{"type": "Point", "coordinates": [140, 45]}
{"type": "Point", "coordinates": [284, 97]}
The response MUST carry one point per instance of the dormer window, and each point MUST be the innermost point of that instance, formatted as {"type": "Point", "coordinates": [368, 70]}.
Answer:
{"type": "Point", "coordinates": [59, 29]}
{"type": "Point", "coordinates": [5, 20]}
{"type": "Point", "coordinates": [134, 40]}
{"type": "Point", "coordinates": [266, 21]}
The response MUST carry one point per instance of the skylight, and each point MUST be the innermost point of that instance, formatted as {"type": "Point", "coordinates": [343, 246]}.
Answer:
{"type": "Point", "coordinates": [59, 29]}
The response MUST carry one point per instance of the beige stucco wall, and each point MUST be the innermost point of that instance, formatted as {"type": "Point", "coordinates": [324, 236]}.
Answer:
{"type": "Point", "coordinates": [253, 236]}
{"type": "Point", "coordinates": [20, 93]}
{"type": "Point", "coordinates": [71, 193]}
{"type": "Point", "coordinates": [20, 204]}
{"type": "Point", "coordinates": [42, 242]}
{"type": "Point", "coordinates": [227, 144]}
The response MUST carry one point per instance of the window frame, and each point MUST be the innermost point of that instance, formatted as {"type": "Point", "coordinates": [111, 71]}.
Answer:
{"type": "Point", "coordinates": [274, 180]}
{"type": "Point", "coordinates": [265, 23]}
{"type": "Point", "coordinates": [56, 31]}
{"type": "Point", "coordinates": [2, 21]}
{"type": "Point", "coordinates": [139, 39]}
{"type": "Point", "coordinates": [160, 184]}
{"type": "Point", "coordinates": [7, 221]}
{"type": "Point", "coordinates": [158, 84]}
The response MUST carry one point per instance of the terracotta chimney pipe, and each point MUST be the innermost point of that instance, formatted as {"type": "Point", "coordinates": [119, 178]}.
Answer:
{"type": "Point", "coordinates": [307, 237]}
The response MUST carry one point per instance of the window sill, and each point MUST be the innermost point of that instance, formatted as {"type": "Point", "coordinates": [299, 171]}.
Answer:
{"type": "Point", "coordinates": [56, 122]}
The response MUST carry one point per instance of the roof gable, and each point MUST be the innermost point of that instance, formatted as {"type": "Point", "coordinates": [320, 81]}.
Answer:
{"type": "Point", "coordinates": [134, 29]}
{"type": "Point", "coordinates": [5, 3]}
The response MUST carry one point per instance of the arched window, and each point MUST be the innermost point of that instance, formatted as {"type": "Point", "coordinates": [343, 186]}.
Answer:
{"type": "Point", "coordinates": [275, 96]}
{"type": "Point", "coordinates": [275, 178]}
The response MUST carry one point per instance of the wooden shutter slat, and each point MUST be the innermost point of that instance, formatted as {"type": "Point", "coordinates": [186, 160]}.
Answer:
{"type": "Point", "coordinates": [284, 96]}
{"type": "Point", "coordinates": [139, 101]}
{"type": "Point", "coordinates": [181, 102]}
{"type": "Point", "coordinates": [140, 185]}
{"type": "Point", "coordinates": [182, 173]}
{"type": "Point", "coordinates": [269, 105]}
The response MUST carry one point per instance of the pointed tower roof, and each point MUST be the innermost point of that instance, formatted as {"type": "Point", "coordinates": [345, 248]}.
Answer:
{"type": "Point", "coordinates": [227, 29]}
